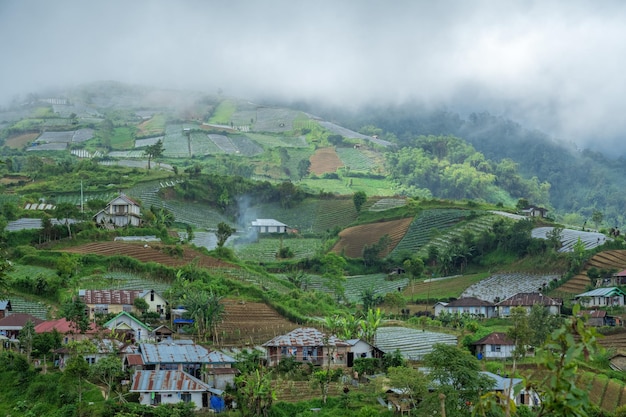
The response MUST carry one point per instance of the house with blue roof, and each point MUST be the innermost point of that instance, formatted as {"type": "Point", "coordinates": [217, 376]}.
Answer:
{"type": "Point", "coordinates": [601, 297]}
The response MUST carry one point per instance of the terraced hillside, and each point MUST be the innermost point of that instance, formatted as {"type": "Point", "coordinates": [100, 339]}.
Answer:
{"type": "Point", "coordinates": [248, 323]}
{"type": "Point", "coordinates": [426, 225]}
{"type": "Point", "coordinates": [502, 286]}
{"type": "Point", "coordinates": [148, 253]}
{"type": "Point", "coordinates": [610, 259]}
{"type": "Point", "coordinates": [352, 240]}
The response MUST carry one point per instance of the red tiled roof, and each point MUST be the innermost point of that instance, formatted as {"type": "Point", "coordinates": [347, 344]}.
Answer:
{"type": "Point", "coordinates": [495, 338]}
{"type": "Point", "coordinates": [18, 320]}
{"type": "Point", "coordinates": [110, 296]}
{"type": "Point", "coordinates": [62, 326]}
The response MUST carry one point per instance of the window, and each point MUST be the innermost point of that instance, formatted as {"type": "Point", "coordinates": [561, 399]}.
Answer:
{"type": "Point", "coordinates": [185, 397]}
{"type": "Point", "coordinates": [127, 308]}
{"type": "Point", "coordinates": [90, 360]}
{"type": "Point", "coordinates": [496, 348]}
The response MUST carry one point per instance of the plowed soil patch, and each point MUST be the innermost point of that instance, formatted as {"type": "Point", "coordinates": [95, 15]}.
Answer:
{"type": "Point", "coordinates": [325, 160]}
{"type": "Point", "coordinates": [611, 259]}
{"type": "Point", "coordinates": [148, 253]}
{"type": "Point", "coordinates": [250, 323]}
{"type": "Point", "coordinates": [353, 239]}
{"type": "Point", "coordinates": [20, 141]}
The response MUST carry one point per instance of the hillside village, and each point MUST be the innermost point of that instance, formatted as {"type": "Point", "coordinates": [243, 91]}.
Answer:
{"type": "Point", "coordinates": [234, 258]}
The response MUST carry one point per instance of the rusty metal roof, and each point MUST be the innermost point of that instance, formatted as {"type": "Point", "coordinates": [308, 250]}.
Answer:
{"type": "Point", "coordinates": [109, 296]}
{"type": "Point", "coordinates": [305, 336]}
{"type": "Point", "coordinates": [166, 381]}
{"type": "Point", "coordinates": [134, 360]}
{"type": "Point", "coordinates": [530, 299]}
{"type": "Point", "coordinates": [495, 338]}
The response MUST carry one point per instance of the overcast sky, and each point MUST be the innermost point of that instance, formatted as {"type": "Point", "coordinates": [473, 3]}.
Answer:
{"type": "Point", "coordinates": [555, 65]}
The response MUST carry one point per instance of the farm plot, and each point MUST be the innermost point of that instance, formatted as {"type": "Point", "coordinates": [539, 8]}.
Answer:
{"type": "Point", "coordinates": [53, 146]}
{"type": "Point", "coordinates": [355, 285]}
{"type": "Point", "coordinates": [387, 204]}
{"type": "Point", "coordinates": [272, 120]}
{"type": "Point", "coordinates": [201, 144]}
{"type": "Point", "coordinates": [20, 141]}
{"type": "Point", "coordinates": [426, 224]}
{"type": "Point", "coordinates": [175, 144]}
{"type": "Point", "coordinates": [474, 226]}
{"type": "Point", "coordinates": [502, 286]}
{"type": "Point", "coordinates": [275, 141]}
{"type": "Point", "coordinates": [325, 160]}
{"type": "Point", "coordinates": [353, 240]}
{"type": "Point", "coordinates": [413, 344]}
{"type": "Point", "coordinates": [27, 224]}
{"type": "Point", "coordinates": [250, 323]}
{"type": "Point", "coordinates": [265, 249]}
{"type": "Point", "coordinates": [224, 143]}
{"type": "Point", "coordinates": [34, 308]}
{"type": "Point", "coordinates": [142, 143]}
{"type": "Point", "coordinates": [151, 253]}
{"type": "Point", "coordinates": [120, 280]}
{"type": "Point", "coordinates": [609, 260]}
{"type": "Point", "coordinates": [569, 238]}
{"type": "Point", "coordinates": [355, 159]}
{"type": "Point", "coordinates": [246, 146]}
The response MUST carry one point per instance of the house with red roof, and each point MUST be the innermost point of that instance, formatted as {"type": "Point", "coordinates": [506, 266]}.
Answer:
{"type": "Point", "coordinates": [122, 211]}
{"type": "Point", "coordinates": [10, 326]}
{"type": "Point", "coordinates": [527, 300]}
{"type": "Point", "coordinates": [496, 345]}
{"type": "Point", "coordinates": [67, 329]}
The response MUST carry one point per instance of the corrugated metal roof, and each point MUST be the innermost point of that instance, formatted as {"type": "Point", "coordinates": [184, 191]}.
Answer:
{"type": "Point", "coordinates": [267, 222]}
{"type": "Point", "coordinates": [18, 320]}
{"type": "Point", "coordinates": [529, 299]}
{"type": "Point", "coordinates": [305, 336]}
{"type": "Point", "coordinates": [166, 381]}
{"type": "Point", "coordinates": [602, 292]}
{"type": "Point", "coordinates": [110, 296]}
{"type": "Point", "coordinates": [173, 353]}
{"type": "Point", "coordinates": [495, 338]}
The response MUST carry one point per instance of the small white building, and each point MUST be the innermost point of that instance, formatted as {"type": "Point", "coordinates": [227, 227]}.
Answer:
{"type": "Point", "coordinates": [269, 226]}
{"type": "Point", "coordinates": [120, 212]}
{"type": "Point", "coordinates": [496, 345]}
{"type": "Point", "coordinates": [601, 297]}
{"type": "Point", "coordinates": [128, 326]}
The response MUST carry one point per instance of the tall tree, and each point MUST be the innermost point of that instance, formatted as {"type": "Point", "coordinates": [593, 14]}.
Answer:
{"type": "Point", "coordinates": [223, 232]}
{"type": "Point", "coordinates": [359, 198]}
{"type": "Point", "coordinates": [154, 151]}
{"type": "Point", "coordinates": [255, 394]}
{"type": "Point", "coordinates": [75, 312]}
{"type": "Point", "coordinates": [206, 310]}
{"type": "Point", "coordinates": [107, 371]}
{"type": "Point", "coordinates": [303, 168]}
{"type": "Point", "coordinates": [64, 212]}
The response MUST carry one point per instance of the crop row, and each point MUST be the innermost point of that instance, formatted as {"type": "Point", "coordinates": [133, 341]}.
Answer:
{"type": "Point", "coordinates": [387, 204]}
{"type": "Point", "coordinates": [474, 226]}
{"type": "Point", "coordinates": [425, 224]}
{"type": "Point", "coordinates": [413, 344]}
{"type": "Point", "coordinates": [265, 249]}
{"type": "Point", "coordinates": [502, 286]}
{"type": "Point", "coordinates": [274, 141]}
{"type": "Point", "coordinates": [355, 159]}
{"type": "Point", "coordinates": [570, 237]}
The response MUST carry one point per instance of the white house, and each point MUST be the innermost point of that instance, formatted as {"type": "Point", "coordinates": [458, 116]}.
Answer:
{"type": "Point", "coordinates": [170, 387]}
{"type": "Point", "coordinates": [496, 345]}
{"type": "Point", "coordinates": [468, 305]}
{"type": "Point", "coordinates": [130, 327]}
{"type": "Point", "coordinates": [601, 297]}
{"type": "Point", "coordinates": [527, 300]}
{"type": "Point", "coordinates": [120, 212]}
{"type": "Point", "coordinates": [269, 226]}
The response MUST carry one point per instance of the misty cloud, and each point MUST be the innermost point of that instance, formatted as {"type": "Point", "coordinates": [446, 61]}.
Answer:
{"type": "Point", "coordinates": [554, 65]}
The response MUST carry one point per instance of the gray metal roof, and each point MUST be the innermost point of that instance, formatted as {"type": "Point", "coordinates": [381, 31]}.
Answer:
{"type": "Point", "coordinates": [267, 222]}
{"type": "Point", "coordinates": [602, 292]}
{"type": "Point", "coordinates": [173, 353]}
{"type": "Point", "coordinates": [305, 336]}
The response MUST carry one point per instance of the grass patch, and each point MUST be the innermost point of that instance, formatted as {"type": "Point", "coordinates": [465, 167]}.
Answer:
{"type": "Point", "coordinates": [122, 138]}
{"type": "Point", "coordinates": [441, 289]}
{"type": "Point", "coordinates": [223, 113]}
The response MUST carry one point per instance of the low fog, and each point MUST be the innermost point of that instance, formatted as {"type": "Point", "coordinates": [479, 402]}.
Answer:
{"type": "Point", "coordinates": [552, 65]}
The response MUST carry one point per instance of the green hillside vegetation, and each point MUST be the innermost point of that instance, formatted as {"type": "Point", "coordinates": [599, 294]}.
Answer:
{"type": "Point", "coordinates": [448, 188]}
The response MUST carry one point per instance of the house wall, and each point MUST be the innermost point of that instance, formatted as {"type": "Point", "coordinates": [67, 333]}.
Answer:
{"type": "Point", "coordinates": [171, 398]}
{"type": "Point", "coordinates": [111, 308]}
{"type": "Point", "coordinates": [361, 348]}
{"type": "Point", "coordinates": [478, 311]}
{"type": "Point", "coordinates": [154, 300]}
{"type": "Point", "coordinates": [493, 352]}
{"type": "Point", "coordinates": [320, 356]}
